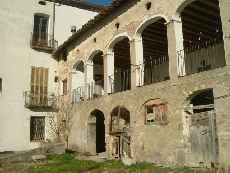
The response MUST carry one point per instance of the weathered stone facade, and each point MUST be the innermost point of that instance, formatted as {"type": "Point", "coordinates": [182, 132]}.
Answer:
{"type": "Point", "coordinates": [162, 144]}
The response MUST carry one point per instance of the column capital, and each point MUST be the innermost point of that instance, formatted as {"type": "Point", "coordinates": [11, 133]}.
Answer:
{"type": "Point", "coordinates": [110, 53]}
{"type": "Point", "coordinates": [174, 20]}
{"type": "Point", "coordinates": [137, 39]}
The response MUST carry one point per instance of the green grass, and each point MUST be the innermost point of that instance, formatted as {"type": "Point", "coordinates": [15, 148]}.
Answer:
{"type": "Point", "coordinates": [67, 164]}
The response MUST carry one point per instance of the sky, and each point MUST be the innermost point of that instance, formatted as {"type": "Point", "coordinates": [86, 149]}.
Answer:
{"type": "Point", "coordinates": [100, 2]}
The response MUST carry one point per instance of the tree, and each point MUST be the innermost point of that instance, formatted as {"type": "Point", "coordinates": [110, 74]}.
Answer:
{"type": "Point", "coordinates": [61, 121]}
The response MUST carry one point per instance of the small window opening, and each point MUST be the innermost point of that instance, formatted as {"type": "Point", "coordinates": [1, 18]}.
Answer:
{"type": "Point", "coordinates": [156, 113]}
{"type": "Point", "coordinates": [117, 25]}
{"type": "Point", "coordinates": [148, 5]}
{"type": "Point", "coordinates": [56, 79]}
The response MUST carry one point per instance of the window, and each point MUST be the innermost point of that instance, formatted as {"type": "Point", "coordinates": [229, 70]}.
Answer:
{"type": "Point", "coordinates": [0, 85]}
{"type": "Point", "coordinates": [40, 31]}
{"type": "Point", "coordinates": [37, 128]}
{"type": "Point", "coordinates": [64, 87]}
{"type": "Point", "coordinates": [64, 55]}
{"type": "Point", "coordinates": [39, 86]}
{"type": "Point", "coordinates": [156, 112]}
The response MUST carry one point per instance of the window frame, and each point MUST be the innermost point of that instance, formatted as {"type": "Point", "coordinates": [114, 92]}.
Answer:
{"type": "Point", "coordinates": [33, 135]}
{"type": "Point", "coordinates": [159, 111]}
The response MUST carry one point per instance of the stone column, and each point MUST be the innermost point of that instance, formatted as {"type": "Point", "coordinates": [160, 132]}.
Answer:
{"type": "Point", "coordinates": [225, 19]}
{"type": "Point", "coordinates": [88, 79]}
{"type": "Point", "coordinates": [136, 55]}
{"type": "Point", "coordinates": [175, 49]}
{"type": "Point", "coordinates": [109, 72]}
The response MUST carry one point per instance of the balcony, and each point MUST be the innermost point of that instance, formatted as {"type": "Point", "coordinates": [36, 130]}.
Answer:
{"type": "Point", "coordinates": [40, 101]}
{"type": "Point", "coordinates": [201, 57]}
{"type": "Point", "coordinates": [90, 91]}
{"type": "Point", "coordinates": [43, 42]}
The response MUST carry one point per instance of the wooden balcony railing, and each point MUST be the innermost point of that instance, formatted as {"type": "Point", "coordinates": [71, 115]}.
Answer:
{"type": "Point", "coordinates": [201, 57]}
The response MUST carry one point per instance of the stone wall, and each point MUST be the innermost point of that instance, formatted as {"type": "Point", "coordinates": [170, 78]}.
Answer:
{"type": "Point", "coordinates": [160, 144]}
{"type": "Point", "coordinates": [167, 144]}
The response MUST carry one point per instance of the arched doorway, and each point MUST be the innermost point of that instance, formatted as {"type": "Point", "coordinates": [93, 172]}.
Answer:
{"type": "Point", "coordinates": [202, 36]}
{"type": "Point", "coordinates": [96, 132]}
{"type": "Point", "coordinates": [202, 128]}
{"type": "Point", "coordinates": [119, 130]}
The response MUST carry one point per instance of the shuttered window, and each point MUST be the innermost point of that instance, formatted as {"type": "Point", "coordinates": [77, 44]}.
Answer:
{"type": "Point", "coordinates": [39, 86]}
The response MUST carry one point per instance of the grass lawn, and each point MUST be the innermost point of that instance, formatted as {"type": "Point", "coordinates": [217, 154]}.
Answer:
{"type": "Point", "coordinates": [67, 164]}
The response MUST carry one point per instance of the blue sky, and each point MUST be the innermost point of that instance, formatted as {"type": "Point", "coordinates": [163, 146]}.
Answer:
{"type": "Point", "coordinates": [100, 2]}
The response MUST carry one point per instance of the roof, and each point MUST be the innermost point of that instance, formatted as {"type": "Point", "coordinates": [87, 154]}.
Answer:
{"type": "Point", "coordinates": [83, 4]}
{"type": "Point", "coordinates": [91, 24]}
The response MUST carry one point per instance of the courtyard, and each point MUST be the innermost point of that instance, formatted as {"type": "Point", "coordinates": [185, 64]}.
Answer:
{"type": "Point", "coordinates": [67, 163]}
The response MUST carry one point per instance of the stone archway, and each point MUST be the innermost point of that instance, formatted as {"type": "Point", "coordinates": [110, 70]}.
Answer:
{"type": "Point", "coordinates": [96, 132]}
{"type": "Point", "coordinates": [119, 131]}
{"type": "Point", "coordinates": [200, 129]}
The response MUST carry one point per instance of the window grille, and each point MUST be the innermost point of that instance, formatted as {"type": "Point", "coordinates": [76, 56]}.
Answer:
{"type": "Point", "coordinates": [37, 128]}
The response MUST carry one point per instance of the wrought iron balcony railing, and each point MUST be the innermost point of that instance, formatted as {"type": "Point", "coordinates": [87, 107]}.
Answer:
{"type": "Point", "coordinates": [43, 41]}
{"type": "Point", "coordinates": [42, 100]}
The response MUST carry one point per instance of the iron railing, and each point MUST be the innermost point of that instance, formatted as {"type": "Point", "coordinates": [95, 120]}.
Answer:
{"type": "Point", "coordinates": [78, 95]}
{"type": "Point", "coordinates": [95, 89]}
{"type": "Point", "coordinates": [88, 92]}
{"type": "Point", "coordinates": [122, 79]}
{"type": "Point", "coordinates": [155, 70]}
{"type": "Point", "coordinates": [201, 57]}
{"type": "Point", "coordinates": [43, 41]}
{"type": "Point", "coordinates": [42, 100]}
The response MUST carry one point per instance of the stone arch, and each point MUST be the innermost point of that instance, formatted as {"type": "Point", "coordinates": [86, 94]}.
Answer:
{"type": "Point", "coordinates": [120, 119]}
{"type": "Point", "coordinates": [116, 39]}
{"type": "Point", "coordinates": [96, 132]}
{"type": "Point", "coordinates": [92, 53]}
{"type": "Point", "coordinates": [199, 128]}
{"type": "Point", "coordinates": [146, 23]}
{"type": "Point", "coordinates": [181, 7]}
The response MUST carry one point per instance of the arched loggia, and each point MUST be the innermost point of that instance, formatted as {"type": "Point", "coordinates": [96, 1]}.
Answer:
{"type": "Point", "coordinates": [202, 36]}
{"type": "Point", "coordinates": [153, 34]}
{"type": "Point", "coordinates": [95, 74]}
{"type": "Point", "coordinates": [119, 53]}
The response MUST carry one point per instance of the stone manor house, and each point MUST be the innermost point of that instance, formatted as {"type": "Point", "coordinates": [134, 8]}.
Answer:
{"type": "Point", "coordinates": [149, 80]}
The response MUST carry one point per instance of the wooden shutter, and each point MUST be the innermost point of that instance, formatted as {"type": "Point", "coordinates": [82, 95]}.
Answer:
{"type": "Point", "coordinates": [39, 86]}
